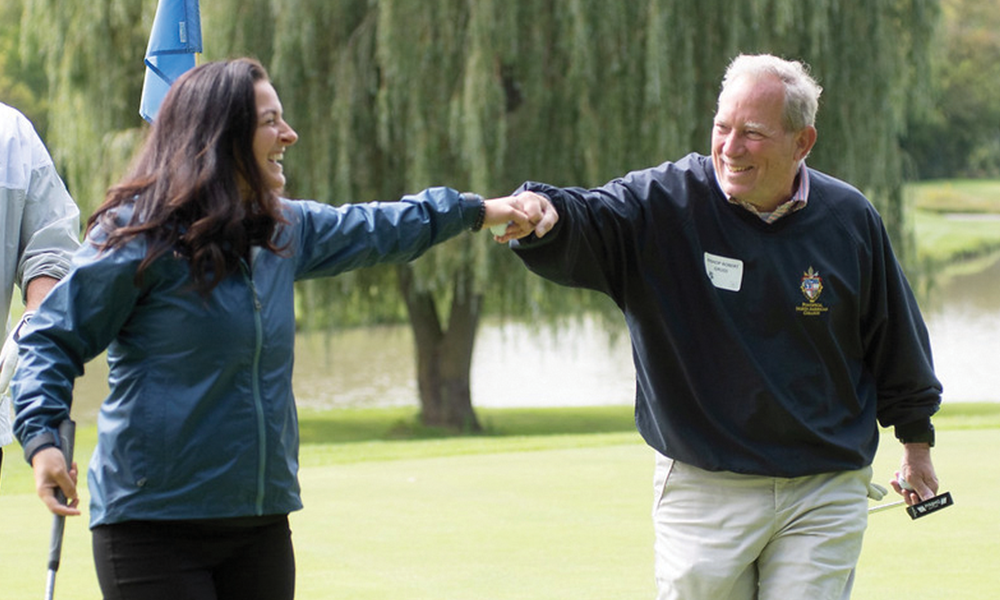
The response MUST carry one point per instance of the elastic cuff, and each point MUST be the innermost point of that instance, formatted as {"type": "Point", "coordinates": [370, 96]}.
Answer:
{"type": "Point", "coordinates": [913, 428]}
{"type": "Point", "coordinates": [919, 431]}
{"type": "Point", "coordinates": [39, 442]}
{"type": "Point", "coordinates": [480, 209]}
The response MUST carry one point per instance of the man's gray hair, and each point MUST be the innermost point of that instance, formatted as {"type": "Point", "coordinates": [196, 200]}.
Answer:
{"type": "Point", "coordinates": [801, 90]}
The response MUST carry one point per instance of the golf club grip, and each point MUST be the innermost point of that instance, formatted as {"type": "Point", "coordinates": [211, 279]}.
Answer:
{"type": "Point", "coordinates": [55, 542]}
{"type": "Point", "coordinates": [67, 436]}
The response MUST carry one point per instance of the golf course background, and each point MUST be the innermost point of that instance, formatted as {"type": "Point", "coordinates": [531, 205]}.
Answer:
{"type": "Point", "coordinates": [549, 504]}
{"type": "Point", "coordinates": [553, 503]}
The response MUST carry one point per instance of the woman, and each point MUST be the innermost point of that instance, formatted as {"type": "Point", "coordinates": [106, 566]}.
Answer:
{"type": "Point", "coordinates": [186, 279]}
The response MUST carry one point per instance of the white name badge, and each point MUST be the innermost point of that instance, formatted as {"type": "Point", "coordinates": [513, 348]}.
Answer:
{"type": "Point", "coordinates": [725, 273]}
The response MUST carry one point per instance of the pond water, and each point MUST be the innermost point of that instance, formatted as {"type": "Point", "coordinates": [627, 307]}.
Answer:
{"type": "Point", "coordinates": [511, 366]}
{"type": "Point", "coordinates": [582, 365]}
{"type": "Point", "coordinates": [963, 319]}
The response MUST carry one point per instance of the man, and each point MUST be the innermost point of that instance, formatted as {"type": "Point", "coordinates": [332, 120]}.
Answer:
{"type": "Point", "coordinates": [40, 225]}
{"type": "Point", "coordinates": [772, 329]}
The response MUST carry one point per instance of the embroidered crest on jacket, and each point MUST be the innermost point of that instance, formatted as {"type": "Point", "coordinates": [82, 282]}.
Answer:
{"type": "Point", "coordinates": [812, 287]}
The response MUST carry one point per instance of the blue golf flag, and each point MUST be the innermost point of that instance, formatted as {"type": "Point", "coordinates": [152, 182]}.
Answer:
{"type": "Point", "coordinates": [173, 42]}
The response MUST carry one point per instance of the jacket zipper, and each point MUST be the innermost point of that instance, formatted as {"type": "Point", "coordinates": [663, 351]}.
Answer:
{"type": "Point", "coordinates": [258, 402]}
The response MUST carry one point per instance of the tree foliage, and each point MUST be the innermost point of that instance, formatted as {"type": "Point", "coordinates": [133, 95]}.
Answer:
{"type": "Point", "coordinates": [91, 54]}
{"type": "Point", "coordinates": [959, 136]}
{"type": "Point", "coordinates": [391, 96]}
{"type": "Point", "coordinates": [22, 84]}
{"type": "Point", "coordinates": [395, 95]}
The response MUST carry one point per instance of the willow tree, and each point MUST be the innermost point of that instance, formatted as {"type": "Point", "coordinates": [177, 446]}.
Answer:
{"type": "Point", "coordinates": [482, 94]}
{"type": "Point", "coordinates": [22, 83]}
{"type": "Point", "coordinates": [391, 96]}
{"type": "Point", "coordinates": [91, 53]}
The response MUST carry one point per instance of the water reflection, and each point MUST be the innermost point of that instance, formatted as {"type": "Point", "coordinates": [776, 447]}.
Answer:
{"type": "Point", "coordinates": [579, 366]}
{"type": "Point", "coordinates": [512, 366]}
{"type": "Point", "coordinates": [372, 366]}
{"type": "Point", "coordinates": [963, 318]}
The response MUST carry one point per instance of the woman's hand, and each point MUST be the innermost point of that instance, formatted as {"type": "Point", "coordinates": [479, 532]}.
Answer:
{"type": "Point", "coordinates": [49, 466]}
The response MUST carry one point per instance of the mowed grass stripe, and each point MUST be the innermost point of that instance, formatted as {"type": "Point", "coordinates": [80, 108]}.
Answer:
{"type": "Point", "coordinates": [521, 514]}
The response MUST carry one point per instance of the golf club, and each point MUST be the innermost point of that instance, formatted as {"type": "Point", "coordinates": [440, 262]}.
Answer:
{"type": "Point", "coordinates": [877, 492]}
{"type": "Point", "coordinates": [67, 434]}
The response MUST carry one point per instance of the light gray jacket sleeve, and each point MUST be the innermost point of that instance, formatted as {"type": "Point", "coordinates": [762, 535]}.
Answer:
{"type": "Point", "coordinates": [38, 218]}
{"type": "Point", "coordinates": [50, 228]}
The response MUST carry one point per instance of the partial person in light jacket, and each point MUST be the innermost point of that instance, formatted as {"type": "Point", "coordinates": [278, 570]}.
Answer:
{"type": "Point", "coordinates": [40, 225]}
{"type": "Point", "coordinates": [186, 277]}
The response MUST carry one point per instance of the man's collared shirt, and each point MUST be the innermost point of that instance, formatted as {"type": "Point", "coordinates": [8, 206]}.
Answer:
{"type": "Point", "coordinates": [797, 202]}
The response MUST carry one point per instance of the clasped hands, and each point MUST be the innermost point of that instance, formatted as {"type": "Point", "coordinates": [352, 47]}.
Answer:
{"type": "Point", "coordinates": [523, 213]}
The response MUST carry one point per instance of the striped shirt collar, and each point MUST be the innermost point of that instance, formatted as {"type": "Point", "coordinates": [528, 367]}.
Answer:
{"type": "Point", "coordinates": [796, 202]}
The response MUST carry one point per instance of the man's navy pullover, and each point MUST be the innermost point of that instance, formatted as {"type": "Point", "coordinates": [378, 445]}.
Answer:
{"type": "Point", "coordinates": [766, 349]}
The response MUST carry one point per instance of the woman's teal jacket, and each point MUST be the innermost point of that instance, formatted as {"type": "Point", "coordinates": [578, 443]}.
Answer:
{"type": "Point", "coordinates": [200, 421]}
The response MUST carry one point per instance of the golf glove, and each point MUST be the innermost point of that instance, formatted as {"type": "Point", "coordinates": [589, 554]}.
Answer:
{"type": "Point", "coordinates": [8, 356]}
{"type": "Point", "coordinates": [876, 492]}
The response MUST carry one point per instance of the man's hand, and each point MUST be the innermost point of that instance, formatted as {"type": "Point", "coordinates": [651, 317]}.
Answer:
{"type": "Point", "coordinates": [918, 471]}
{"type": "Point", "coordinates": [540, 217]}
{"type": "Point", "coordinates": [506, 213]}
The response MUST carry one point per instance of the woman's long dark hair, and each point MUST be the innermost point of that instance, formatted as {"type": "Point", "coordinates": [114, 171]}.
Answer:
{"type": "Point", "coordinates": [197, 187]}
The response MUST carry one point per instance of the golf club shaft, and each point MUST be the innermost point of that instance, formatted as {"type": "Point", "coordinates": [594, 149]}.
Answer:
{"type": "Point", "coordinates": [882, 507]}
{"type": "Point", "coordinates": [67, 436]}
{"type": "Point", "coordinates": [50, 585]}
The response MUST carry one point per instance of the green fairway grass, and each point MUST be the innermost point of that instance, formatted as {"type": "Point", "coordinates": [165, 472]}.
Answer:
{"type": "Point", "coordinates": [547, 504]}
{"type": "Point", "coordinates": [943, 235]}
{"type": "Point", "coordinates": [956, 195]}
